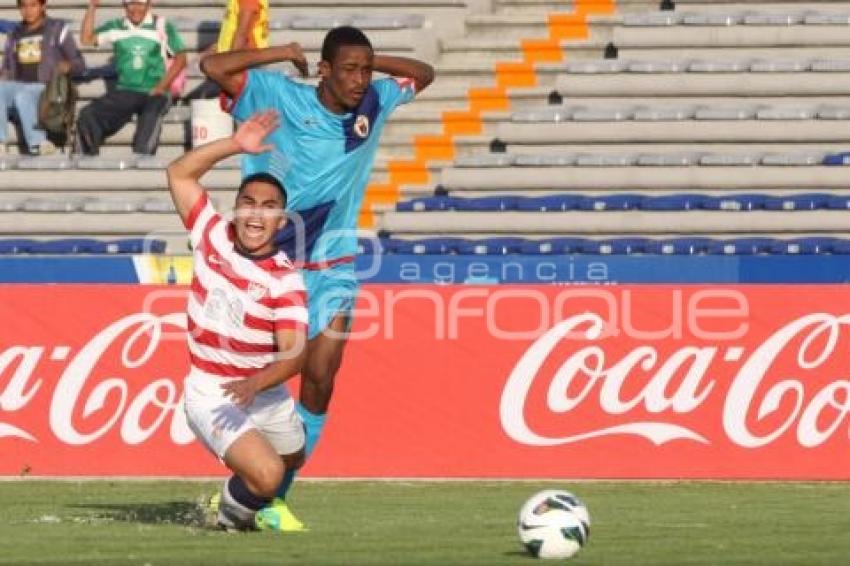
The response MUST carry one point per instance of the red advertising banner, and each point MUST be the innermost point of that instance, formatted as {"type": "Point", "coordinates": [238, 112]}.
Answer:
{"type": "Point", "coordinates": [464, 381]}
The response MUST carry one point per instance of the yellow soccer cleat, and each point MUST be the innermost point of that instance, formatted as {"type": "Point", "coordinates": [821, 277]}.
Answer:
{"type": "Point", "coordinates": [277, 517]}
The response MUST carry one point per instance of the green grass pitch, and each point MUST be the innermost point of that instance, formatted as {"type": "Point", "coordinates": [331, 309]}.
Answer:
{"type": "Point", "coordinates": [156, 523]}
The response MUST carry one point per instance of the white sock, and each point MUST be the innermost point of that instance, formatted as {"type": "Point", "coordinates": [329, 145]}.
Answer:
{"type": "Point", "coordinates": [233, 514]}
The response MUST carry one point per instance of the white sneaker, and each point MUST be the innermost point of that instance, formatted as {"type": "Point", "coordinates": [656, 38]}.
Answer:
{"type": "Point", "coordinates": [45, 148]}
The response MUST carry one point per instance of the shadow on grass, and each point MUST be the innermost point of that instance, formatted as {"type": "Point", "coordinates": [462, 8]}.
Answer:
{"type": "Point", "coordinates": [169, 512]}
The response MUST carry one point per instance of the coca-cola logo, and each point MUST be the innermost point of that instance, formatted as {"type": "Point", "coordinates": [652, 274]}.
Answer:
{"type": "Point", "coordinates": [818, 408]}
{"type": "Point", "coordinates": [77, 395]}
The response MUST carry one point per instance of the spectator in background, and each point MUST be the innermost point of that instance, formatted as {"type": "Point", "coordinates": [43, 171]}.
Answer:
{"type": "Point", "coordinates": [36, 48]}
{"type": "Point", "coordinates": [142, 45]}
{"type": "Point", "coordinates": [245, 25]}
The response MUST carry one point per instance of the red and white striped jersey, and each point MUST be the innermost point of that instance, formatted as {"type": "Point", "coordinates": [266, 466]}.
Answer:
{"type": "Point", "coordinates": [237, 303]}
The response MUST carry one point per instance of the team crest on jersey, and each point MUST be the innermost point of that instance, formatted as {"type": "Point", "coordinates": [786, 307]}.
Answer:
{"type": "Point", "coordinates": [257, 291]}
{"type": "Point", "coordinates": [361, 126]}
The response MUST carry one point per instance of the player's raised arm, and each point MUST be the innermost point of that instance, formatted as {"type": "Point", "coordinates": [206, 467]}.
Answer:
{"type": "Point", "coordinates": [184, 173]}
{"type": "Point", "coordinates": [228, 69]}
{"type": "Point", "coordinates": [421, 73]}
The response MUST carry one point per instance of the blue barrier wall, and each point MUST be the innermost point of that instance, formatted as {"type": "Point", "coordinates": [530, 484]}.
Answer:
{"type": "Point", "coordinates": [415, 269]}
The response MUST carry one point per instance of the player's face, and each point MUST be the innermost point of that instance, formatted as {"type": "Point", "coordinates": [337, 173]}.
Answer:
{"type": "Point", "coordinates": [258, 216]}
{"type": "Point", "coordinates": [32, 11]}
{"type": "Point", "coordinates": [349, 75]}
{"type": "Point", "coordinates": [136, 11]}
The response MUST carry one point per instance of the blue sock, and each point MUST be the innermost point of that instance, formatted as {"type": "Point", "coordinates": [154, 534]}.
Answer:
{"type": "Point", "coordinates": [313, 425]}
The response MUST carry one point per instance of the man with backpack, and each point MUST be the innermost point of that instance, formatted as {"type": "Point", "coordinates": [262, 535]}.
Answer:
{"type": "Point", "coordinates": [149, 60]}
{"type": "Point", "coordinates": [36, 49]}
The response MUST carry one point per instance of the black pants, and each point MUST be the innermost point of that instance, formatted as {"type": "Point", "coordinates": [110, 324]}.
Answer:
{"type": "Point", "coordinates": [104, 116]}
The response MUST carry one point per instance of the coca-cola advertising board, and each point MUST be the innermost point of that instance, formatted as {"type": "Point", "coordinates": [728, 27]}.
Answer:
{"type": "Point", "coordinates": [459, 381]}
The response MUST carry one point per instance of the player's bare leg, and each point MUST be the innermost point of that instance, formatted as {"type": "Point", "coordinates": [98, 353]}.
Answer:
{"type": "Point", "coordinates": [258, 471]}
{"type": "Point", "coordinates": [324, 357]}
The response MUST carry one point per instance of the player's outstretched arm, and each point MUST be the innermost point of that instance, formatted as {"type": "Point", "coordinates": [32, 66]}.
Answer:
{"type": "Point", "coordinates": [184, 173]}
{"type": "Point", "coordinates": [421, 73]}
{"type": "Point", "coordinates": [292, 353]}
{"type": "Point", "coordinates": [228, 69]}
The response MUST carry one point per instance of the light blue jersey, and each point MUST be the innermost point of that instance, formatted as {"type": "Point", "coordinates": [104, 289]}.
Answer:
{"type": "Point", "coordinates": [323, 159]}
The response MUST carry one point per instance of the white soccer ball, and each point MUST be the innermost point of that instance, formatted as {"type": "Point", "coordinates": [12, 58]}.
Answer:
{"type": "Point", "coordinates": [553, 524]}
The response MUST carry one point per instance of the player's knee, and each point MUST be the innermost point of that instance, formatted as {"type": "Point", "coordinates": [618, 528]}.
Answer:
{"type": "Point", "coordinates": [266, 480]}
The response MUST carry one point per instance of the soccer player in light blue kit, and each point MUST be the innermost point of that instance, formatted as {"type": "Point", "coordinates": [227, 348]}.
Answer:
{"type": "Point", "coordinates": [324, 152]}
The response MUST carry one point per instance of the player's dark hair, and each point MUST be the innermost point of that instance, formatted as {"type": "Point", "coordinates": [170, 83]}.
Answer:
{"type": "Point", "coordinates": [342, 36]}
{"type": "Point", "coordinates": [263, 177]}
{"type": "Point", "coordinates": [42, 2]}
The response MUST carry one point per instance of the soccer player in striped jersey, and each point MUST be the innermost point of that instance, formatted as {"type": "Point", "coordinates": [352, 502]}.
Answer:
{"type": "Point", "coordinates": [324, 152]}
{"type": "Point", "coordinates": [247, 325]}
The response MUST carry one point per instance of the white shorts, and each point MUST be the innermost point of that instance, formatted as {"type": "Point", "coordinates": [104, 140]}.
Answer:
{"type": "Point", "coordinates": [218, 422]}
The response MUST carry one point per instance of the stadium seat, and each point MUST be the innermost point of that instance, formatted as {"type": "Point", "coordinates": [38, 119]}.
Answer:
{"type": "Point", "coordinates": [486, 204]}
{"type": "Point", "coordinates": [427, 246]}
{"type": "Point", "coordinates": [319, 23]}
{"type": "Point", "coordinates": [552, 246]}
{"type": "Point", "coordinates": [729, 159]}
{"type": "Point", "coordinates": [158, 206]}
{"type": "Point", "coordinates": [651, 19]}
{"type": "Point", "coordinates": [554, 203]}
{"type": "Point", "coordinates": [16, 246]}
{"type": "Point", "coordinates": [10, 205]}
{"type": "Point", "coordinates": [711, 19]}
{"type": "Point", "coordinates": [837, 159]}
{"type": "Point", "coordinates": [741, 246]}
{"type": "Point", "coordinates": [110, 206]}
{"type": "Point", "coordinates": [597, 67]}
{"type": "Point", "coordinates": [826, 19]}
{"type": "Point", "coordinates": [490, 246]}
{"type": "Point", "coordinates": [667, 159]}
{"type": "Point", "coordinates": [602, 114]}
{"type": "Point", "coordinates": [662, 114]}
{"type": "Point", "coordinates": [52, 205]}
{"type": "Point", "coordinates": [8, 162]}
{"type": "Point", "coordinates": [841, 247]}
{"type": "Point", "coordinates": [734, 202]}
{"type": "Point", "coordinates": [809, 201]}
{"type": "Point", "coordinates": [100, 163]}
{"type": "Point", "coordinates": [376, 22]}
{"type": "Point", "coordinates": [724, 113]}
{"type": "Point", "coordinates": [51, 163]}
{"type": "Point", "coordinates": [831, 65]}
{"type": "Point", "coordinates": [485, 160]}
{"type": "Point", "coordinates": [656, 67]}
{"type": "Point", "coordinates": [70, 246]}
{"type": "Point", "coordinates": [611, 202]}
{"type": "Point", "coordinates": [838, 202]}
{"type": "Point", "coordinates": [803, 246]}
{"type": "Point", "coordinates": [778, 66]}
{"type": "Point", "coordinates": [152, 162]}
{"type": "Point", "coordinates": [791, 159]}
{"type": "Point", "coordinates": [785, 113]}
{"type": "Point", "coordinates": [834, 113]}
{"type": "Point", "coordinates": [425, 204]}
{"type": "Point", "coordinates": [543, 115]}
{"type": "Point", "coordinates": [772, 19]}
{"type": "Point", "coordinates": [558, 160]}
{"type": "Point", "coordinates": [135, 246]}
{"type": "Point", "coordinates": [720, 66]}
{"type": "Point", "coordinates": [605, 160]}
{"type": "Point", "coordinates": [672, 202]}
{"type": "Point", "coordinates": [687, 246]}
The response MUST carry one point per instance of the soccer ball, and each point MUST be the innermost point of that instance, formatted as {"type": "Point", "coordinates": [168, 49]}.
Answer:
{"type": "Point", "coordinates": [553, 524]}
